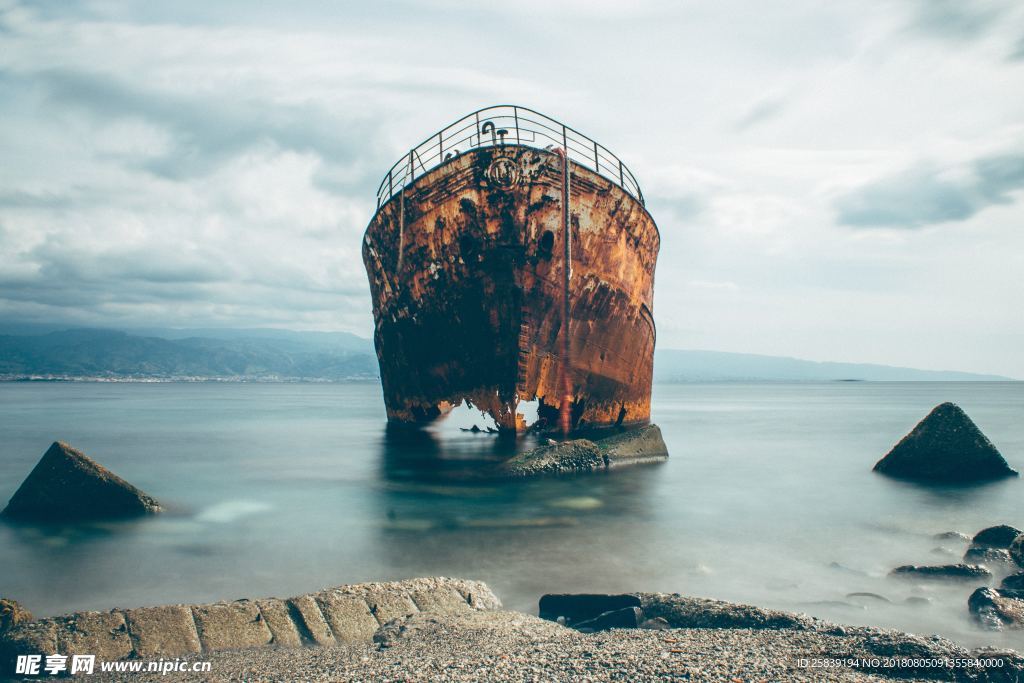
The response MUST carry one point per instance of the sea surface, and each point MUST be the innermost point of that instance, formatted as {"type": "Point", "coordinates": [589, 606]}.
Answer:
{"type": "Point", "coordinates": [281, 489]}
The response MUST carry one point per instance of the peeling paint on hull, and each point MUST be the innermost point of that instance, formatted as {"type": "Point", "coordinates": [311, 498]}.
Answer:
{"type": "Point", "coordinates": [465, 268]}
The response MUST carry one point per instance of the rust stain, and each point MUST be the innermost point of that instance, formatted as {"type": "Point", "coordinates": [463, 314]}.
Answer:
{"type": "Point", "coordinates": [465, 272]}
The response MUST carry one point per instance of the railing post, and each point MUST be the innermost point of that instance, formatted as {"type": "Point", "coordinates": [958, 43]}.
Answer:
{"type": "Point", "coordinates": [391, 186]}
{"type": "Point", "coordinates": [515, 115]}
{"type": "Point", "coordinates": [440, 148]}
{"type": "Point", "coordinates": [597, 164]}
{"type": "Point", "coordinates": [565, 144]}
{"type": "Point", "coordinates": [622, 181]}
{"type": "Point", "coordinates": [412, 166]}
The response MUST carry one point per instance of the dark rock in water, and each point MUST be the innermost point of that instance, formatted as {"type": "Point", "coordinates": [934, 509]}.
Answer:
{"type": "Point", "coordinates": [580, 607]}
{"type": "Point", "coordinates": [848, 570]}
{"type": "Point", "coordinates": [988, 556]}
{"type": "Point", "coordinates": [66, 485]}
{"type": "Point", "coordinates": [1017, 550]}
{"type": "Point", "coordinates": [997, 609]}
{"type": "Point", "coordinates": [946, 446]}
{"type": "Point", "coordinates": [568, 457]}
{"type": "Point", "coordinates": [953, 572]}
{"type": "Point", "coordinates": [952, 536]}
{"type": "Point", "coordinates": [1001, 536]}
{"type": "Point", "coordinates": [12, 614]}
{"type": "Point", "coordinates": [627, 617]}
{"type": "Point", "coordinates": [1013, 582]}
{"type": "Point", "coordinates": [635, 446]}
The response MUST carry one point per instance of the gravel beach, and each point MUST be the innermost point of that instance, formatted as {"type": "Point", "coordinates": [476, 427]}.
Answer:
{"type": "Point", "coordinates": [510, 646]}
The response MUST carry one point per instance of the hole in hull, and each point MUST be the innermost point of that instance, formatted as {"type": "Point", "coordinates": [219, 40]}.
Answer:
{"type": "Point", "coordinates": [465, 416]}
{"type": "Point", "coordinates": [530, 410]}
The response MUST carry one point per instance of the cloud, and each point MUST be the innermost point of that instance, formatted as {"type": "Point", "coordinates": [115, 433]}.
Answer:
{"type": "Point", "coordinates": [1018, 51]}
{"type": "Point", "coordinates": [683, 207]}
{"type": "Point", "coordinates": [926, 195]}
{"type": "Point", "coordinates": [956, 20]}
{"type": "Point", "coordinates": [20, 199]}
{"type": "Point", "coordinates": [762, 111]}
{"type": "Point", "coordinates": [208, 131]}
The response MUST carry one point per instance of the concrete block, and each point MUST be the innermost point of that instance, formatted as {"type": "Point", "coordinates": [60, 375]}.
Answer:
{"type": "Point", "coordinates": [167, 631]}
{"type": "Point", "coordinates": [440, 600]}
{"type": "Point", "coordinates": [230, 625]}
{"type": "Point", "coordinates": [103, 634]}
{"type": "Point", "coordinates": [278, 617]}
{"type": "Point", "coordinates": [348, 615]}
{"type": "Point", "coordinates": [305, 609]}
{"type": "Point", "coordinates": [386, 605]}
{"type": "Point", "coordinates": [477, 594]}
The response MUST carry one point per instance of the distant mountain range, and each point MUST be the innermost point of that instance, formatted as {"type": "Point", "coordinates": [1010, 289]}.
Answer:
{"type": "Point", "coordinates": [187, 354]}
{"type": "Point", "coordinates": [36, 352]}
{"type": "Point", "coordinates": [671, 365]}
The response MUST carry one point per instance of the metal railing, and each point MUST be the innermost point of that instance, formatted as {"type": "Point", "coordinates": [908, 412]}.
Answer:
{"type": "Point", "coordinates": [499, 125]}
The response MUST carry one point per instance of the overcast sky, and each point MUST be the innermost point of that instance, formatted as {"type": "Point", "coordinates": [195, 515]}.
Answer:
{"type": "Point", "coordinates": [833, 181]}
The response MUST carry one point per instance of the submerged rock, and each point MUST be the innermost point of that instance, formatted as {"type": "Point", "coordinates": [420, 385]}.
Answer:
{"type": "Point", "coordinates": [946, 446]}
{"type": "Point", "coordinates": [568, 457]}
{"type": "Point", "coordinates": [997, 609]}
{"type": "Point", "coordinates": [1001, 536]}
{"type": "Point", "coordinates": [988, 556]}
{"type": "Point", "coordinates": [1013, 582]}
{"type": "Point", "coordinates": [12, 614]}
{"type": "Point", "coordinates": [636, 446]}
{"type": "Point", "coordinates": [67, 485]}
{"type": "Point", "coordinates": [869, 596]}
{"type": "Point", "coordinates": [952, 536]}
{"type": "Point", "coordinates": [952, 572]}
{"type": "Point", "coordinates": [1017, 550]}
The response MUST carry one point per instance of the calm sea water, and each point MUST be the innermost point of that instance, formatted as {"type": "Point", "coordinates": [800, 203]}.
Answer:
{"type": "Point", "coordinates": [279, 489]}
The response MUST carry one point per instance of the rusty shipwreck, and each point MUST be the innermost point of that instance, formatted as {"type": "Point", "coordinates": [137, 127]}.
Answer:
{"type": "Point", "coordinates": [489, 287]}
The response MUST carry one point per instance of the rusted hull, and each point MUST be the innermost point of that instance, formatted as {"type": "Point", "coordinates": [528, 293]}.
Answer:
{"type": "Point", "coordinates": [466, 274]}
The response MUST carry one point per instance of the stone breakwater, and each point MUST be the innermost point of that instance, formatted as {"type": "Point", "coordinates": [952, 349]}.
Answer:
{"type": "Point", "coordinates": [699, 640]}
{"type": "Point", "coordinates": [344, 614]}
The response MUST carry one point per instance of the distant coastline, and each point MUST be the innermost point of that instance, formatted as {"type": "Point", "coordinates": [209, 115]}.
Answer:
{"type": "Point", "coordinates": [280, 356]}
